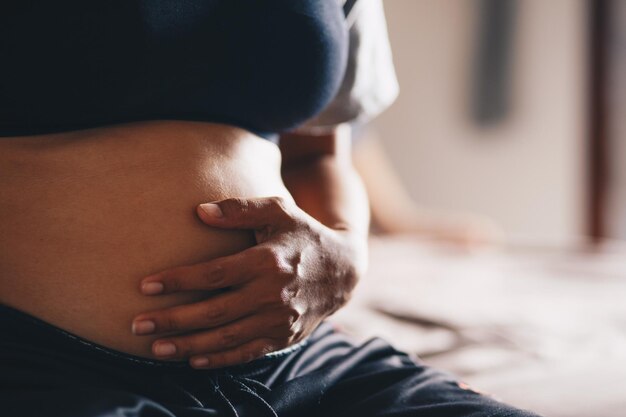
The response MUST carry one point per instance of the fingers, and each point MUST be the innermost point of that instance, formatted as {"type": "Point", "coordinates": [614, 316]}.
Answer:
{"type": "Point", "coordinates": [210, 342]}
{"type": "Point", "coordinates": [213, 275]}
{"type": "Point", "coordinates": [242, 354]}
{"type": "Point", "coordinates": [213, 312]}
{"type": "Point", "coordinates": [250, 213]}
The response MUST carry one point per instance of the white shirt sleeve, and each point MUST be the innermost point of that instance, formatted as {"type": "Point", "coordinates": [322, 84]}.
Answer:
{"type": "Point", "coordinates": [369, 85]}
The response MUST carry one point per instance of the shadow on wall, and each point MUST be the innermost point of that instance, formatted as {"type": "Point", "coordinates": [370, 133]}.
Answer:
{"type": "Point", "coordinates": [491, 113]}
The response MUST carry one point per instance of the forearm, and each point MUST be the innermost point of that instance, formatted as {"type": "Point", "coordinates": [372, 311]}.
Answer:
{"type": "Point", "coordinates": [324, 183]}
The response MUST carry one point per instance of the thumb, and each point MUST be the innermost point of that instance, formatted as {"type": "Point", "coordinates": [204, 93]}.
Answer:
{"type": "Point", "coordinates": [247, 213]}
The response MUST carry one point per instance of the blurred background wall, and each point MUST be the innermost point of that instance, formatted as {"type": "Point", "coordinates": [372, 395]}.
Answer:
{"type": "Point", "coordinates": [616, 97]}
{"type": "Point", "coordinates": [527, 170]}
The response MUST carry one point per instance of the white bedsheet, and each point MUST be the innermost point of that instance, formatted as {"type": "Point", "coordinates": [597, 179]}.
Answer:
{"type": "Point", "coordinates": [544, 330]}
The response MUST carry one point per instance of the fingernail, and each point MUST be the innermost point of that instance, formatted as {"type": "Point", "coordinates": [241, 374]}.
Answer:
{"type": "Point", "coordinates": [199, 362]}
{"type": "Point", "coordinates": [212, 210]}
{"type": "Point", "coordinates": [164, 349]}
{"type": "Point", "coordinates": [152, 288]}
{"type": "Point", "coordinates": [143, 327]}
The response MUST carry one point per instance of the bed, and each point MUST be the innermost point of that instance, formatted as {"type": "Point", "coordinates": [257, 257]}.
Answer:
{"type": "Point", "coordinates": [541, 328]}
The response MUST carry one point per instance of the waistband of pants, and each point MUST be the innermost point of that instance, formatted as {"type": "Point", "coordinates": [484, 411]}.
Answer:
{"type": "Point", "coordinates": [21, 330]}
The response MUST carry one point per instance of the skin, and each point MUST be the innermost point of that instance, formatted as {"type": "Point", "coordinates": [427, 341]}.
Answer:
{"type": "Point", "coordinates": [86, 215]}
{"type": "Point", "coordinates": [309, 255]}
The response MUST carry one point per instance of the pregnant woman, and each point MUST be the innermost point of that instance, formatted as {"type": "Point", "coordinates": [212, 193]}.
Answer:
{"type": "Point", "coordinates": [160, 253]}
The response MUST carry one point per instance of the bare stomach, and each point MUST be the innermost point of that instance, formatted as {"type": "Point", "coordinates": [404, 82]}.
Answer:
{"type": "Point", "coordinates": [85, 215]}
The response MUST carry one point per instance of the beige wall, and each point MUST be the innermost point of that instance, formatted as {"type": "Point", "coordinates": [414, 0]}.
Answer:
{"type": "Point", "coordinates": [527, 173]}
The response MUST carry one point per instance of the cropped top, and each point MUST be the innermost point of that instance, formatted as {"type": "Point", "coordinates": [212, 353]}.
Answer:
{"type": "Point", "coordinates": [263, 65]}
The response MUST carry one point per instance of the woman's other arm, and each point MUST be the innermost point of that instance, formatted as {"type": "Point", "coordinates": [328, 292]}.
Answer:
{"type": "Point", "coordinates": [318, 171]}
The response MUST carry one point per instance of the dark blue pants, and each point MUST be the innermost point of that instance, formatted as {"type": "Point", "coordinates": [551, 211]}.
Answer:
{"type": "Point", "coordinates": [46, 372]}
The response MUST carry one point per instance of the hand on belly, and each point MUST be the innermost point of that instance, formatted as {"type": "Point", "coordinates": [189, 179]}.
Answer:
{"type": "Point", "coordinates": [274, 294]}
{"type": "Point", "coordinates": [84, 216]}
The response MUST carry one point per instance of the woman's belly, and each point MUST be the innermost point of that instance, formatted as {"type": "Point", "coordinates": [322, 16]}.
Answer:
{"type": "Point", "coordinates": [85, 215]}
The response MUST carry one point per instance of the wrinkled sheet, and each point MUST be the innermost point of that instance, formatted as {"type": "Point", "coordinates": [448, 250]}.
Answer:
{"type": "Point", "coordinates": [543, 329]}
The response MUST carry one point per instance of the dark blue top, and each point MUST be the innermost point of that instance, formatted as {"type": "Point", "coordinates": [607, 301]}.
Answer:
{"type": "Point", "coordinates": [264, 65]}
